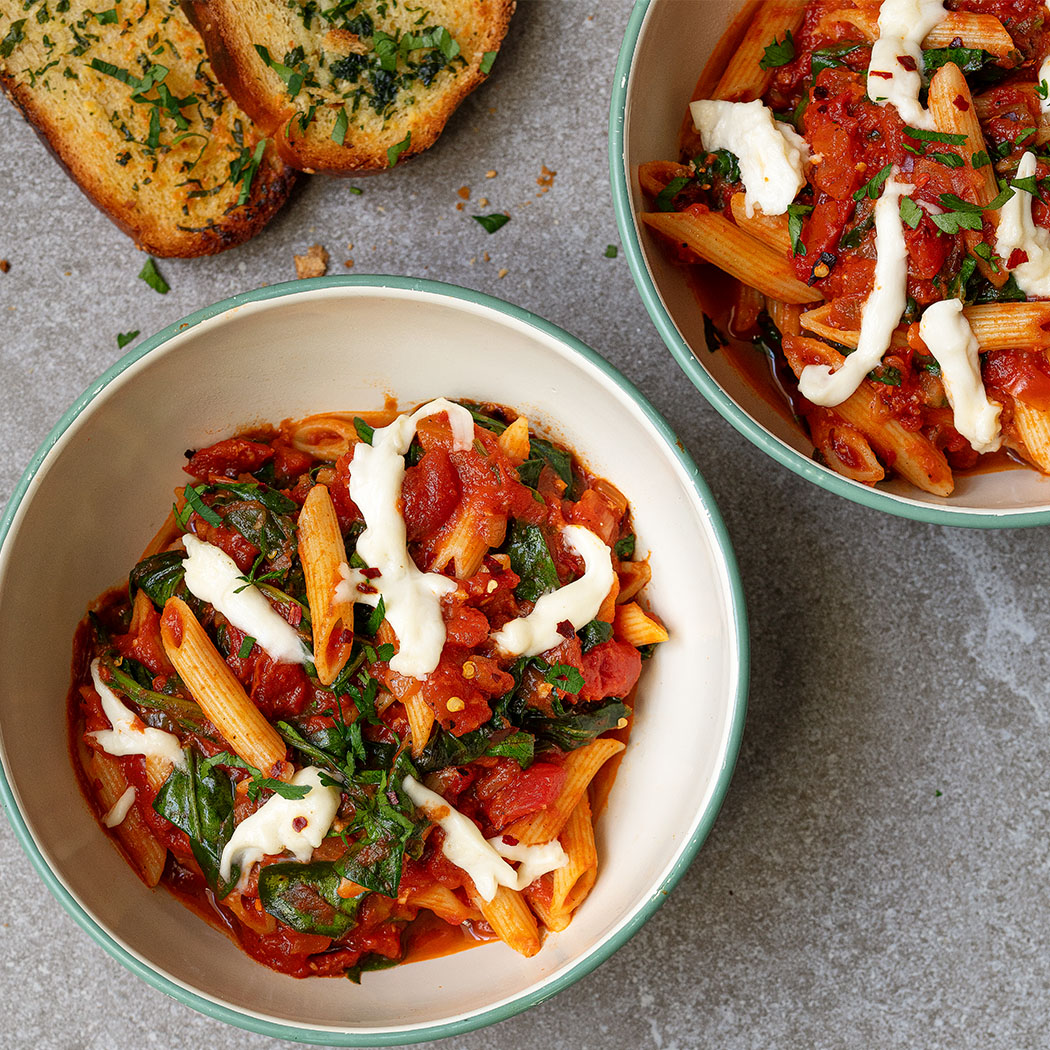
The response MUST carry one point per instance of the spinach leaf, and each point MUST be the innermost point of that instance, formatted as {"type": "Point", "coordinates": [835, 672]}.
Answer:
{"type": "Point", "coordinates": [306, 897]}
{"type": "Point", "coordinates": [572, 727]}
{"type": "Point", "coordinates": [831, 57]}
{"type": "Point", "coordinates": [255, 521]}
{"type": "Point", "coordinates": [530, 558]}
{"type": "Point", "coordinates": [125, 678]}
{"type": "Point", "coordinates": [159, 575]}
{"type": "Point", "coordinates": [968, 59]}
{"type": "Point", "coordinates": [443, 749]}
{"type": "Point", "coordinates": [594, 633]}
{"type": "Point", "coordinates": [199, 801]}
{"type": "Point", "coordinates": [269, 497]}
{"type": "Point", "coordinates": [373, 961]}
{"type": "Point", "coordinates": [544, 453]}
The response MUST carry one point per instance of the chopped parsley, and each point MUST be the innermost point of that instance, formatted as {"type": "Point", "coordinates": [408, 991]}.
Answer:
{"type": "Point", "coordinates": [246, 647]}
{"type": "Point", "coordinates": [665, 198]}
{"type": "Point", "coordinates": [491, 223]}
{"type": "Point", "coordinates": [123, 338]}
{"type": "Point", "coordinates": [779, 53]}
{"type": "Point", "coordinates": [611, 251]}
{"type": "Point", "coordinates": [393, 155]}
{"type": "Point", "coordinates": [341, 123]}
{"type": "Point", "coordinates": [486, 62]}
{"type": "Point", "coordinates": [151, 275]}
{"type": "Point", "coordinates": [796, 213]}
{"type": "Point", "coordinates": [911, 213]}
{"type": "Point", "coordinates": [873, 186]}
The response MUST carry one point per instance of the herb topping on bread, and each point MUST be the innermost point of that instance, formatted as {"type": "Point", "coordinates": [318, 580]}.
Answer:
{"type": "Point", "coordinates": [127, 100]}
{"type": "Point", "coordinates": [349, 86]}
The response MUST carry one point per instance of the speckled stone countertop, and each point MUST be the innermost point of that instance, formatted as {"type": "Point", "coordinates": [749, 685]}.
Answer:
{"type": "Point", "coordinates": [877, 877]}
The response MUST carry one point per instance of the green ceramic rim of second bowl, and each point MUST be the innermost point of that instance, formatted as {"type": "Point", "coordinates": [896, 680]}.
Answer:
{"type": "Point", "coordinates": [738, 702]}
{"type": "Point", "coordinates": [877, 499]}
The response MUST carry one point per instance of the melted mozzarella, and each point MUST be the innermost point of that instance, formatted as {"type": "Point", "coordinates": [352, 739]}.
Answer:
{"type": "Point", "coordinates": [903, 24]}
{"type": "Point", "coordinates": [411, 598]}
{"type": "Point", "coordinates": [119, 810]}
{"type": "Point", "coordinates": [212, 575]}
{"type": "Point", "coordinates": [1018, 232]}
{"type": "Point", "coordinates": [1044, 82]}
{"type": "Point", "coordinates": [272, 828]}
{"type": "Point", "coordinates": [578, 602]}
{"type": "Point", "coordinates": [771, 154]}
{"type": "Point", "coordinates": [129, 736]}
{"type": "Point", "coordinates": [948, 336]}
{"type": "Point", "coordinates": [882, 311]}
{"type": "Point", "coordinates": [483, 860]}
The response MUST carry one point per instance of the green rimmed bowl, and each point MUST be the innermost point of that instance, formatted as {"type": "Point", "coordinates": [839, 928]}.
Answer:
{"type": "Point", "coordinates": [663, 53]}
{"type": "Point", "coordinates": [335, 343]}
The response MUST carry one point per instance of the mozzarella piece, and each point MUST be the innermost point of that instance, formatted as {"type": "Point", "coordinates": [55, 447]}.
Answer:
{"type": "Point", "coordinates": [346, 589]}
{"type": "Point", "coordinates": [882, 311]}
{"type": "Point", "coordinates": [949, 337]}
{"type": "Point", "coordinates": [119, 810]}
{"type": "Point", "coordinates": [272, 828]}
{"type": "Point", "coordinates": [1018, 232]}
{"type": "Point", "coordinates": [903, 25]}
{"type": "Point", "coordinates": [212, 575]}
{"type": "Point", "coordinates": [771, 154]}
{"type": "Point", "coordinates": [578, 602]}
{"type": "Point", "coordinates": [483, 860]}
{"type": "Point", "coordinates": [1043, 79]}
{"type": "Point", "coordinates": [411, 597]}
{"type": "Point", "coordinates": [129, 736]}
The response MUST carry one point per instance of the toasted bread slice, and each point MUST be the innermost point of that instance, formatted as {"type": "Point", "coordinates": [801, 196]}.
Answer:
{"type": "Point", "coordinates": [127, 101]}
{"type": "Point", "coordinates": [349, 87]}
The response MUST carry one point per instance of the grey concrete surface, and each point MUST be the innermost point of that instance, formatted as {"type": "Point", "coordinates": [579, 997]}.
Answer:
{"type": "Point", "coordinates": [878, 875]}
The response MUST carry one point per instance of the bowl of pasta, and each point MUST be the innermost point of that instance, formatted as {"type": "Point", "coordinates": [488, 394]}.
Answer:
{"type": "Point", "coordinates": [383, 647]}
{"type": "Point", "coordinates": [834, 214]}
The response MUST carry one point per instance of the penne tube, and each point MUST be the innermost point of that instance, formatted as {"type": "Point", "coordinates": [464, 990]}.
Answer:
{"type": "Point", "coordinates": [420, 721]}
{"type": "Point", "coordinates": [771, 230]}
{"type": "Point", "coordinates": [461, 547]}
{"type": "Point", "coordinates": [444, 903]}
{"type": "Point", "coordinates": [744, 79]}
{"type": "Point", "coordinates": [717, 240]}
{"type": "Point", "coordinates": [634, 625]}
{"type": "Point", "coordinates": [327, 436]}
{"type": "Point", "coordinates": [974, 30]}
{"type": "Point", "coordinates": [633, 576]}
{"type": "Point", "coordinates": [911, 453]}
{"type": "Point", "coordinates": [514, 441]}
{"type": "Point", "coordinates": [951, 106]}
{"type": "Point", "coordinates": [580, 767]}
{"type": "Point", "coordinates": [139, 843]}
{"type": "Point", "coordinates": [1032, 426]}
{"type": "Point", "coordinates": [510, 919]}
{"type": "Point", "coordinates": [655, 175]}
{"type": "Point", "coordinates": [322, 552]}
{"type": "Point", "coordinates": [220, 696]}
{"type": "Point", "coordinates": [843, 447]}
{"type": "Point", "coordinates": [785, 316]}
{"type": "Point", "coordinates": [571, 883]}
{"type": "Point", "coordinates": [996, 326]}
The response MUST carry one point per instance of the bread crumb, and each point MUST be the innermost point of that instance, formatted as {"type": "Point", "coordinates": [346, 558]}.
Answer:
{"type": "Point", "coordinates": [350, 246]}
{"type": "Point", "coordinates": [484, 202]}
{"type": "Point", "coordinates": [464, 192]}
{"type": "Point", "coordinates": [67, 273]}
{"type": "Point", "coordinates": [546, 178]}
{"type": "Point", "coordinates": [485, 257]}
{"type": "Point", "coordinates": [490, 174]}
{"type": "Point", "coordinates": [4, 266]}
{"type": "Point", "coordinates": [314, 263]}
{"type": "Point", "coordinates": [348, 263]}
{"type": "Point", "coordinates": [473, 259]}
{"type": "Point", "coordinates": [460, 205]}
{"type": "Point", "coordinates": [503, 273]}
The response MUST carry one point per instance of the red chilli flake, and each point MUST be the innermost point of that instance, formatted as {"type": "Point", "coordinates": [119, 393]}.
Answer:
{"type": "Point", "coordinates": [295, 615]}
{"type": "Point", "coordinates": [366, 588]}
{"type": "Point", "coordinates": [566, 629]}
{"type": "Point", "coordinates": [908, 62]}
{"type": "Point", "coordinates": [299, 823]}
{"type": "Point", "coordinates": [509, 840]}
{"type": "Point", "coordinates": [960, 103]}
{"type": "Point", "coordinates": [1017, 256]}
{"type": "Point", "coordinates": [881, 73]}
{"type": "Point", "coordinates": [371, 574]}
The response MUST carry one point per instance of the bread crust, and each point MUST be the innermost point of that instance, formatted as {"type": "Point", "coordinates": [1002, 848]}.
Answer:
{"type": "Point", "coordinates": [231, 50]}
{"type": "Point", "coordinates": [164, 230]}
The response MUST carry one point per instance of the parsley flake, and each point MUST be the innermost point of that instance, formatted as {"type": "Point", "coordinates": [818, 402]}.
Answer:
{"type": "Point", "coordinates": [873, 186]}
{"type": "Point", "coordinates": [779, 53]}
{"type": "Point", "coordinates": [611, 251]}
{"type": "Point", "coordinates": [123, 338]}
{"type": "Point", "coordinates": [393, 155]}
{"type": "Point", "coordinates": [151, 275]}
{"type": "Point", "coordinates": [492, 223]}
{"type": "Point", "coordinates": [486, 62]}
{"type": "Point", "coordinates": [911, 213]}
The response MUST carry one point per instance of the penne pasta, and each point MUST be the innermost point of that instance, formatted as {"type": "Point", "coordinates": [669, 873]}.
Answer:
{"type": "Point", "coordinates": [514, 441]}
{"type": "Point", "coordinates": [635, 626]}
{"type": "Point", "coordinates": [322, 553]}
{"type": "Point", "coordinates": [140, 844]}
{"type": "Point", "coordinates": [580, 767]}
{"type": "Point", "coordinates": [633, 576]}
{"type": "Point", "coordinates": [420, 721]}
{"type": "Point", "coordinates": [220, 696]}
{"type": "Point", "coordinates": [571, 884]}
{"type": "Point", "coordinates": [511, 920]}
{"type": "Point", "coordinates": [744, 78]}
{"type": "Point", "coordinates": [771, 230]}
{"type": "Point", "coordinates": [843, 447]}
{"type": "Point", "coordinates": [912, 454]}
{"type": "Point", "coordinates": [974, 31]}
{"type": "Point", "coordinates": [444, 903]}
{"type": "Point", "coordinates": [1032, 426]}
{"type": "Point", "coordinates": [717, 240]}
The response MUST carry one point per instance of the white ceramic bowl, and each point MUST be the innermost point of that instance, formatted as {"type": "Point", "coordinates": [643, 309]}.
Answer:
{"type": "Point", "coordinates": [332, 343]}
{"type": "Point", "coordinates": [664, 50]}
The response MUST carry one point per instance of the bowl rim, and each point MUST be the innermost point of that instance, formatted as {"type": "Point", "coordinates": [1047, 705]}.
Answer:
{"type": "Point", "coordinates": [735, 721]}
{"type": "Point", "coordinates": [876, 499]}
